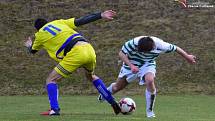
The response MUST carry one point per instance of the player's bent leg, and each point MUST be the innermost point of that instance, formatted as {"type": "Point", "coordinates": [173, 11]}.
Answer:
{"type": "Point", "coordinates": [150, 94]}
{"type": "Point", "coordinates": [120, 84]}
{"type": "Point", "coordinates": [97, 82]}
{"type": "Point", "coordinates": [110, 89]}
{"type": "Point", "coordinates": [100, 97]}
{"type": "Point", "coordinates": [149, 79]}
{"type": "Point", "coordinates": [52, 89]}
{"type": "Point", "coordinates": [53, 77]}
{"type": "Point", "coordinates": [100, 86]}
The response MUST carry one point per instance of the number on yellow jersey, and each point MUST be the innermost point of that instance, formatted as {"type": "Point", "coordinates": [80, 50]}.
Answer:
{"type": "Point", "coordinates": [50, 28]}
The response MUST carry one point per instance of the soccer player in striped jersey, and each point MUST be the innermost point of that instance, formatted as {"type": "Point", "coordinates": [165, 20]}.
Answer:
{"type": "Point", "coordinates": [72, 51]}
{"type": "Point", "coordinates": [138, 56]}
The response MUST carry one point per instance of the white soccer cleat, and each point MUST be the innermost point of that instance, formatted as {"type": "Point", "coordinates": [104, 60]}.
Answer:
{"type": "Point", "coordinates": [100, 98]}
{"type": "Point", "coordinates": [150, 114]}
{"type": "Point", "coordinates": [51, 112]}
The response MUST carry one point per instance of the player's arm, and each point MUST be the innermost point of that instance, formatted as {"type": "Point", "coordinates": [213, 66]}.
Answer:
{"type": "Point", "coordinates": [126, 50]}
{"type": "Point", "coordinates": [109, 14]}
{"type": "Point", "coordinates": [167, 47]}
{"type": "Point", "coordinates": [125, 59]}
{"type": "Point", "coordinates": [28, 44]}
{"type": "Point", "coordinates": [190, 58]}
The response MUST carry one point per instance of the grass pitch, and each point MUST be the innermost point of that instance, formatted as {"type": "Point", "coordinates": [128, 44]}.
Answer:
{"type": "Point", "coordinates": [86, 108]}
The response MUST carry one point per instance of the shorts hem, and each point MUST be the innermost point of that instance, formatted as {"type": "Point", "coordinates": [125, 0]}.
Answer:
{"type": "Point", "coordinates": [60, 70]}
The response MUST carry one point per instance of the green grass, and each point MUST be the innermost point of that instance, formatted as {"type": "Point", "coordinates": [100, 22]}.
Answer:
{"type": "Point", "coordinates": [191, 29]}
{"type": "Point", "coordinates": [86, 108]}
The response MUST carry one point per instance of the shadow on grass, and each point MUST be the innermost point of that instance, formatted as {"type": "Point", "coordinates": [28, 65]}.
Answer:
{"type": "Point", "coordinates": [99, 116]}
{"type": "Point", "coordinates": [87, 114]}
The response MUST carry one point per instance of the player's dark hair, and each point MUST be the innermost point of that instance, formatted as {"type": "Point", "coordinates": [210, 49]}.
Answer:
{"type": "Point", "coordinates": [39, 23]}
{"type": "Point", "coordinates": [145, 44]}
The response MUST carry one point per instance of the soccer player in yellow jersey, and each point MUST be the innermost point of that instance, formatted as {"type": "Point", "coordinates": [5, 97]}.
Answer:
{"type": "Point", "coordinates": [72, 51]}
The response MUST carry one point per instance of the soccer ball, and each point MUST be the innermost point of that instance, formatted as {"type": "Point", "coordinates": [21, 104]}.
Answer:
{"type": "Point", "coordinates": [127, 105]}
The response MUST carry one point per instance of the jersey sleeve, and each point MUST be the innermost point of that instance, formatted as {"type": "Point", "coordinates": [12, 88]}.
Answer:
{"type": "Point", "coordinates": [70, 22]}
{"type": "Point", "coordinates": [38, 41]}
{"type": "Point", "coordinates": [88, 18]}
{"type": "Point", "coordinates": [128, 47]}
{"type": "Point", "coordinates": [36, 45]}
{"type": "Point", "coordinates": [164, 46]}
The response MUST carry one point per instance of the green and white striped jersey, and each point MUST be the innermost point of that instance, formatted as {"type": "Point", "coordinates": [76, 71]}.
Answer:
{"type": "Point", "coordinates": [140, 58]}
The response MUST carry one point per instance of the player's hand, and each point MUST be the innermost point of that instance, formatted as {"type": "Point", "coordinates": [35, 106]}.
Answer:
{"type": "Point", "coordinates": [134, 69]}
{"type": "Point", "coordinates": [28, 42]}
{"type": "Point", "coordinates": [108, 14]}
{"type": "Point", "coordinates": [191, 59]}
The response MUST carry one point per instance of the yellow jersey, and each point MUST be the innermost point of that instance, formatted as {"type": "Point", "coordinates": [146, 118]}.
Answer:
{"type": "Point", "coordinates": [53, 35]}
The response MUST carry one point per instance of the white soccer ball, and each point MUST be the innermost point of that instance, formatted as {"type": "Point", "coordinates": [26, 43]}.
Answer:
{"type": "Point", "coordinates": [127, 105]}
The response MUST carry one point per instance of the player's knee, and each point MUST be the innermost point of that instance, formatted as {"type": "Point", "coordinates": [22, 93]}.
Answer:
{"type": "Point", "coordinates": [94, 77]}
{"type": "Point", "coordinates": [150, 85]}
{"type": "Point", "coordinates": [149, 81]}
{"type": "Point", "coordinates": [53, 77]}
{"type": "Point", "coordinates": [91, 76]}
